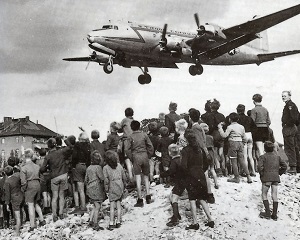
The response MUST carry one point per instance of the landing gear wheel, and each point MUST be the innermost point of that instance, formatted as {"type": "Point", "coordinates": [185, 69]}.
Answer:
{"type": "Point", "coordinates": [142, 79]}
{"type": "Point", "coordinates": [108, 68]}
{"type": "Point", "coordinates": [147, 78]}
{"type": "Point", "coordinates": [193, 70]}
{"type": "Point", "coordinates": [199, 69]}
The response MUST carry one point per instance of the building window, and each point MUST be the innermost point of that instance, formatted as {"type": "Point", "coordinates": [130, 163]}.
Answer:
{"type": "Point", "coordinates": [2, 140]}
{"type": "Point", "coordinates": [17, 140]}
{"type": "Point", "coordinates": [24, 139]}
{"type": "Point", "coordinates": [3, 154]}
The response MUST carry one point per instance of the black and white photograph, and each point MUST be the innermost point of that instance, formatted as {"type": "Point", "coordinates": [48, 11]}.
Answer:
{"type": "Point", "coordinates": [143, 120]}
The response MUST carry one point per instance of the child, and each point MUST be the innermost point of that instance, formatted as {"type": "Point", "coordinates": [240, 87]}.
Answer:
{"type": "Point", "coordinates": [178, 174]}
{"type": "Point", "coordinates": [94, 179]}
{"type": "Point", "coordinates": [154, 163]}
{"type": "Point", "coordinates": [13, 194]}
{"type": "Point", "coordinates": [97, 145]}
{"type": "Point", "coordinates": [236, 138]}
{"type": "Point", "coordinates": [30, 185]}
{"type": "Point", "coordinates": [139, 150]}
{"type": "Point", "coordinates": [270, 166]}
{"type": "Point", "coordinates": [211, 151]}
{"type": "Point", "coordinates": [180, 127]}
{"type": "Point", "coordinates": [113, 138]}
{"type": "Point", "coordinates": [162, 147]}
{"type": "Point", "coordinates": [114, 182]}
{"type": "Point", "coordinates": [192, 163]}
{"type": "Point", "coordinates": [45, 181]}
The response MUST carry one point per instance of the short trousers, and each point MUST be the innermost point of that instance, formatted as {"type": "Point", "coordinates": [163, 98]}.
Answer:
{"type": "Point", "coordinates": [236, 150]}
{"type": "Point", "coordinates": [79, 172]}
{"type": "Point", "coordinates": [179, 188]}
{"type": "Point", "coordinates": [59, 183]}
{"type": "Point", "coordinates": [33, 191]}
{"type": "Point", "coordinates": [17, 201]}
{"type": "Point", "coordinates": [260, 134]}
{"type": "Point", "coordinates": [268, 184]}
{"type": "Point", "coordinates": [196, 190]}
{"type": "Point", "coordinates": [141, 164]}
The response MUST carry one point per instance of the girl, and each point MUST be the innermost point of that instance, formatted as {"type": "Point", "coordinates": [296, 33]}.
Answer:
{"type": "Point", "coordinates": [94, 179]}
{"type": "Point", "coordinates": [270, 165]}
{"type": "Point", "coordinates": [114, 182]}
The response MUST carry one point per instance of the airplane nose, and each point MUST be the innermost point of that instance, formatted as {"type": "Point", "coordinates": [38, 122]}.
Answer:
{"type": "Point", "coordinates": [90, 38]}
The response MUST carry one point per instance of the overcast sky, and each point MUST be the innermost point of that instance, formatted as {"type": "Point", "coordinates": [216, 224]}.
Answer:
{"type": "Point", "coordinates": [36, 35]}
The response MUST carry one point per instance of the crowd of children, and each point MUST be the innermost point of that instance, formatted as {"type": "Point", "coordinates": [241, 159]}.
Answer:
{"type": "Point", "coordinates": [178, 150]}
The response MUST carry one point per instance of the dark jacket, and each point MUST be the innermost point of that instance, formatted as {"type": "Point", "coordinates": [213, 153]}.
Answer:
{"type": "Point", "coordinates": [290, 114]}
{"type": "Point", "coordinates": [81, 153]}
{"type": "Point", "coordinates": [269, 165]}
{"type": "Point", "coordinates": [170, 120]}
{"type": "Point", "coordinates": [246, 121]}
{"type": "Point", "coordinates": [56, 161]}
{"type": "Point", "coordinates": [175, 171]}
{"type": "Point", "coordinates": [96, 145]}
{"type": "Point", "coordinates": [12, 188]}
{"type": "Point", "coordinates": [139, 142]}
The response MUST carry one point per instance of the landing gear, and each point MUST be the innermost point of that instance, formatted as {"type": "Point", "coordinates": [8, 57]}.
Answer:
{"type": "Point", "coordinates": [108, 67]}
{"type": "Point", "coordinates": [144, 78]}
{"type": "Point", "coordinates": [196, 69]}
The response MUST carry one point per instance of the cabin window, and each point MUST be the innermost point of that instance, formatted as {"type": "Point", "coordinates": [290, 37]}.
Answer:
{"type": "Point", "coordinates": [17, 139]}
{"type": "Point", "coordinates": [2, 140]}
{"type": "Point", "coordinates": [116, 28]}
{"type": "Point", "coordinates": [24, 139]}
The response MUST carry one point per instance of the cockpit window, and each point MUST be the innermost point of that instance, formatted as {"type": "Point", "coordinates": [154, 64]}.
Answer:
{"type": "Point", "coordinates": [105, 27]}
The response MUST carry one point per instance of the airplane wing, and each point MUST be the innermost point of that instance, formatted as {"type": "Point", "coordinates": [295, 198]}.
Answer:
{"type": "Point", "coordinates": [92, 58]}
{"type": "Point", "coordinates": [78, 59]}
{"type": "Point", "coordinates": [241, 34]}
{"type": "Point", "coordinates": [271, 56]}
{"type": "Point", "coordinates": [262, 23]}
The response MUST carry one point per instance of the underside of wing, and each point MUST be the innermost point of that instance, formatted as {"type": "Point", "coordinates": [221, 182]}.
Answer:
{"type": "Point", "coordinates": [271, 56]}
{"type": "Point", "coordinates": [262, 23]}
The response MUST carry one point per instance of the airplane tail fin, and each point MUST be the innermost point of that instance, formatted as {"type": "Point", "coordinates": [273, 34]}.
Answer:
{"type": "Point", "coordinates": [260, 43]}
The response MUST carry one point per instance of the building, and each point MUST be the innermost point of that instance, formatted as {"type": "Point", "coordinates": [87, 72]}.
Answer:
{"type": "Point", "coordinates": [18, 134]}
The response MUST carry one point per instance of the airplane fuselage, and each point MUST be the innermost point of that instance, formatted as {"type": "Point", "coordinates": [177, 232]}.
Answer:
{"type": "Point", "coordinates": [142, 41]}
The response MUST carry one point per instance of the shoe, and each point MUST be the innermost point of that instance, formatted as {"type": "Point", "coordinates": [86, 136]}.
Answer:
{"type": "Point", "coordinates": [233, 180]}
{"type": "Point", "coordinates": [118, 225]}
{"type": "Point", "coordinates": [55, 218]}
{"type": "Point", "coordinates": [111, 227]}
{"type": "Point", "coordinates": [249, 180]}
{"type": "Point", "coordinates": [292, 170]}
{"type": "Point", "coordinates": [42, 223]}
{"type": "Point", "coordinates": [173, 222]}
{"type": "Point", "coordinates": [31, 229]}
{"type": "Point", "coordinates": [139, 203]}
{"type": "Point", "coordinates": [153, 184]}
{"type": "Point", "coordinates": [91, 224]}
{"type": "Point", "coordinates": [179, 217]}
{"type": "Point", "coordinates": [210, 224]}
{"type": "Point", "coordinates": [211, 198]}
{"type": "Point", "coordinates": [264, 215]}
{"type": "Point", "coordinates": [192, 226]}
{"type": "Point", "coordinates": [216, 186]}
{"type": "Point", "coordinates": [96, 227]}
{"type": "Point", "coordinates": [274, 217]}
{"type": "Point", "coordinates": [148, 199]}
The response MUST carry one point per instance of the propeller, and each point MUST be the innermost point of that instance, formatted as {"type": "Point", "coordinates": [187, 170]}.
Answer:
{"type": "Point", "coordinates": [93, 56]}
{"type": "Point", "coordinates": [163, 41]}
{"type": "Point", "coordinates": [197, 20]}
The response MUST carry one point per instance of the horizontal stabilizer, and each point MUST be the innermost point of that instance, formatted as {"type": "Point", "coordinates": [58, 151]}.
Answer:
{"type": "Point", "coordinates": [271, 56]}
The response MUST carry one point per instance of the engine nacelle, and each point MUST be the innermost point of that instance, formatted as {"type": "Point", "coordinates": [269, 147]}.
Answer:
{"type": "Point", "coordinates": [214, 30]}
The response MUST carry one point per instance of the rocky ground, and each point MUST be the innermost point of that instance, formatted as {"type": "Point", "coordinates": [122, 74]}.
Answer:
{"type": "Point", "coordinates": [236, 216]}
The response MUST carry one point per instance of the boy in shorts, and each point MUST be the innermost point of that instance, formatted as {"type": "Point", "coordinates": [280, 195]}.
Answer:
{"type": "Point", "coordinates": [13, 194]}
{"type": "Point", "coordinates": [30, 185]}
{"type": "Point", "coordinates": [139, 150]}
{"type": "Point", "coordinates": [270, 166]}
{"type": "Point", "coordinates": [236, 138]}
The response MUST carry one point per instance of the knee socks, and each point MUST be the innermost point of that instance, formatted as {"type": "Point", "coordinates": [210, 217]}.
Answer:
{"type": "Point", "coordinates": [267, 207]}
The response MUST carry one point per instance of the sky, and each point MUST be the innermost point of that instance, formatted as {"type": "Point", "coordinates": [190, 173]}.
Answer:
{"type": "Point", "coordinates": [35, 82]}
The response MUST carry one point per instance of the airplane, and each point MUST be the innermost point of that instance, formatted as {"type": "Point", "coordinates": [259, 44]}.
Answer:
{"type": "Point", "coordinates": [131, 44]}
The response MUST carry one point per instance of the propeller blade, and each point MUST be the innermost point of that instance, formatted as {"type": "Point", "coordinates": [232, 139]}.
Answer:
{"type": "Point", "coordinates": [197, 20]}
{"type": "Point", "coordinates": [163, 37]}
{"type": "Point", "coordinates": [87, 65]}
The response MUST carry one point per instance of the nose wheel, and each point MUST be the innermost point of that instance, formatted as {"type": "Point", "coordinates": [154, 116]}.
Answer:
{"type": "Point", "coordinates": [108, 67]}
{"type": "Point", "coordinates": [144, 78]}
{"type": "Point", "coordinates": [196, 69]}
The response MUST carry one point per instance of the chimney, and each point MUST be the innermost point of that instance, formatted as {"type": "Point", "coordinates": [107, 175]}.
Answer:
{"type": "Point", "coordinates": [37, 121]}
{"type": "Point", "coordinates": [27, 118]}
{"type": "Point", "coordinates": [7, 121]}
